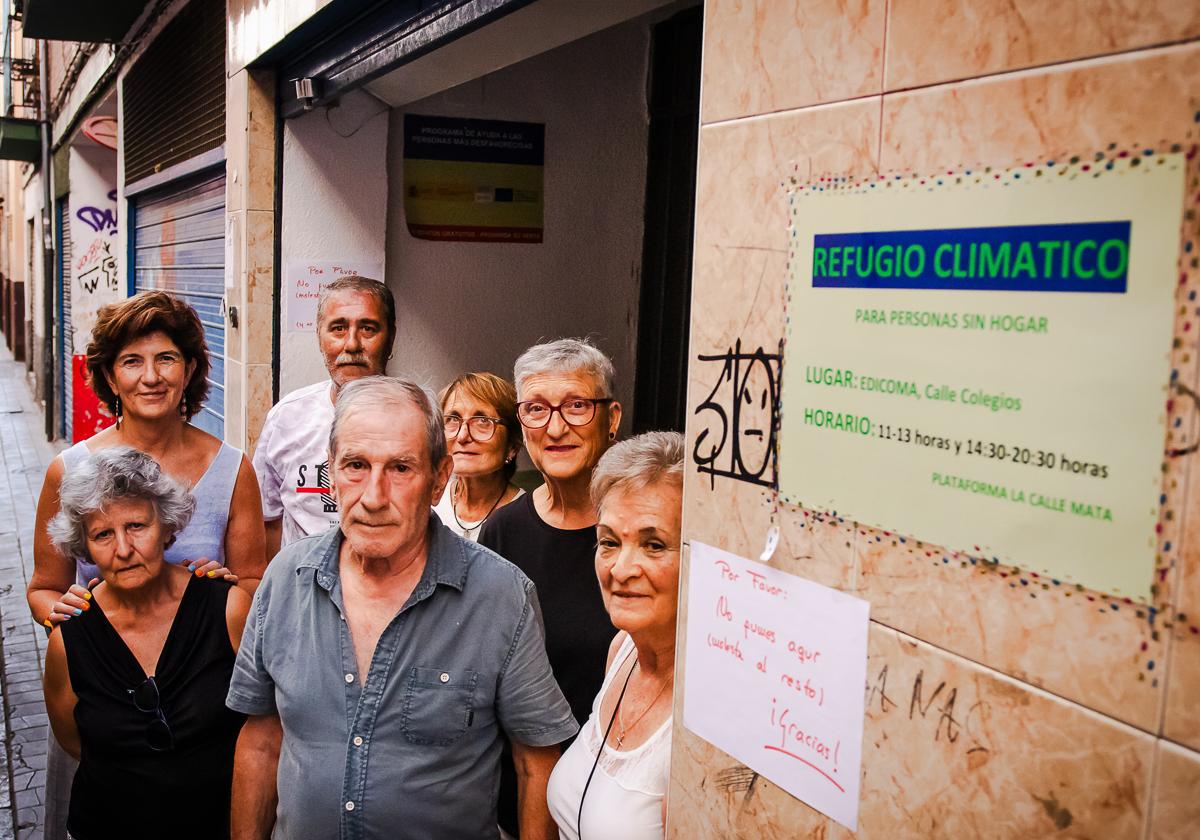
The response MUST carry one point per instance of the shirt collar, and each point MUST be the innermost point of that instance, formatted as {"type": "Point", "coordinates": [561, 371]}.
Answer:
{"type": "Point", "coordinates": [446, 561]}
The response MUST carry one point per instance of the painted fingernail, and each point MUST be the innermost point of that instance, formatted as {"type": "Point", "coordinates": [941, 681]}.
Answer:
{"type": "Point", "coordinates": [48, 623]}
{"type": "Point", "coordinates": [86, 605]}
{"type": "Point", "coordinates": [78, 612]}
{"type": "Point", "coordinates": [191, 567]}
{"type": "Point", "coordinates": [87, 596]}
{"type": "Point", "coordinates": [213, 573]}
{"type": "Point", "coordinates": [199, 573]}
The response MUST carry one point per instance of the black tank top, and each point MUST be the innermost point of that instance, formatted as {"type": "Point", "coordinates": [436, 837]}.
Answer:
{"type": "Point", "coordinates": [123, 788]}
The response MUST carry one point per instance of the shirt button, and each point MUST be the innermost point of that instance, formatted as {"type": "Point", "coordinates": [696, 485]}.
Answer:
{"type": "Point", "coordinates": [444, 677]}
{"type": "Point", "coordinates": [349, 806]}
{"type": "Point", "coordinates": [358, 741]}
{"type": "Point", "coordinates": [349, 678]}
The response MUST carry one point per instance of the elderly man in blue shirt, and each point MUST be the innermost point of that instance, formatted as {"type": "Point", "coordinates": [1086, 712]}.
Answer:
{"type": "Point", "coordinates": [384, 661]}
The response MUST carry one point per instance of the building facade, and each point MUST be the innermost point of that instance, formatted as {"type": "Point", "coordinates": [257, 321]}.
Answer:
{"type": "Point", "coordinates": [524, 169]}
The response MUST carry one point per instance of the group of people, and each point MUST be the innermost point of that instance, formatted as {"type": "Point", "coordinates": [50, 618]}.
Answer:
{"type": "Point", "coordinates": [371, 630]}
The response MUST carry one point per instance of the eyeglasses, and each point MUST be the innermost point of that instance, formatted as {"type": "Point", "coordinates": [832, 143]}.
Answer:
{"type": "Point", "coordinates": [576, 411]}
{"type": "Point", "coordinates": [481, 428]}
{"type": "Point", "coordinates": [158, 733]}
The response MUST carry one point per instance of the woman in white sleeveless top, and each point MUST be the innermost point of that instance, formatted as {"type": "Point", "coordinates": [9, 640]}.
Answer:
{"type": "Point", "coordinates": [611, 783]}
{"type": "Point", "coordinates": [148, 363]}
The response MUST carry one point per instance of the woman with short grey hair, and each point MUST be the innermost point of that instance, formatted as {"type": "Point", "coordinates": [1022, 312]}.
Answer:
{"type": "Point", "coordinates": [569, 419]}
{"type": "Point", "coordinates": [135, 686]}
{"type": "Point", "coordinates": [613, 779]}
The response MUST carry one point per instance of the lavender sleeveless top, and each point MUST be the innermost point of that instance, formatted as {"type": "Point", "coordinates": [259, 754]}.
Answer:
{"type": "Point", "coordinates": [204, 537]}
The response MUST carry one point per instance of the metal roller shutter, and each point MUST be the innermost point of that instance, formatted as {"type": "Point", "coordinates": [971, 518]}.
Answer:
{"type": "Point", "coordinates": [179, 246]}
{"type": "Point", "coordinates": [173, 101]}
{"type": "Point", "coordinates": [66, 330]}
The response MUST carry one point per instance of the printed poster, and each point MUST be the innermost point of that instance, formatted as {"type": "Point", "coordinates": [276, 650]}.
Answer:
{"type": "Point", "coordinates": [473, 180]}
{"type": "Point", "coordinates": [776, 666]}
{"type": "Point", "coordinates": [983, 363]}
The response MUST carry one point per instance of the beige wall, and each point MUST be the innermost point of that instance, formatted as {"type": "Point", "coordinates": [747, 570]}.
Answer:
{"type": "Point", "coordinates": [1075, 718]}
{"type": "Point", "coordinates": [257, 25]}
{"type": "Point", "coordinates": [249, 252]}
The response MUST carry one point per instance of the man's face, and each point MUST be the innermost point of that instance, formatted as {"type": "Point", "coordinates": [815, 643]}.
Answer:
{"type": "Point", "coordinates": [383, 481]}
{"type": "Point", "coordinates": [353, 336]}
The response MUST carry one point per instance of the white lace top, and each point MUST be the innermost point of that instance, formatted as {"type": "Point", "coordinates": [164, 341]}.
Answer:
{"type": "Point", "coordinates": [624, 799]}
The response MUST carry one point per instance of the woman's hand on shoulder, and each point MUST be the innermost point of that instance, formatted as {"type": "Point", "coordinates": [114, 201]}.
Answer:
{"type": "Point", "coordinates": [74, 602]}
{"type": "Point", "coordinates": [211, 569]}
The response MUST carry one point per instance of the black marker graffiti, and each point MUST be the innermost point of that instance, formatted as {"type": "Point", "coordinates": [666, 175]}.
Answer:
{"type": "Point", "coordinates": [104, 270]}
{"type": "Point", "coordinates": [743, 417]}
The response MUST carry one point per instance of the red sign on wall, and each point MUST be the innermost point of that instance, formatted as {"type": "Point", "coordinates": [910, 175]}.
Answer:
{"type": "Point", "coordinates": [86, 415]}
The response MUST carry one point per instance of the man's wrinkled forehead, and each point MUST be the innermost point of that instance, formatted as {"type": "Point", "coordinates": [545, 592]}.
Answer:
{"type": "Point", "coordinates": [382, 431]}
{"type": "Point", "coordinates": [331, 302]}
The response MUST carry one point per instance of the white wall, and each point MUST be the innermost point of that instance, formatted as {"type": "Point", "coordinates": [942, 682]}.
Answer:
{"type": "Point", "coordinates": [334, 205]}
{"type": "Point", "coordinates": [476, 306]}
{"type": "Point", "coordinates": [96, 255]}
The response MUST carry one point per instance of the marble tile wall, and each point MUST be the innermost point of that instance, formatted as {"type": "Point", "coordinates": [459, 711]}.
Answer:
{"type": "Point", "coordinates": [762, 56]}
{"type": "Point", "coordinates": [944, 40]}
{"type": "Point", "coordinates": [1087, 706]}
{"type": "Point", "coordinates": [250, 202]}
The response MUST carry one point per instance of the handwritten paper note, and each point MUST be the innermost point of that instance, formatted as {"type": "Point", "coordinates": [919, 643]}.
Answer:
{"type": "Point", "coordinates": [303, 281]}
{"type": "Point", "coordinates": [776, 669]}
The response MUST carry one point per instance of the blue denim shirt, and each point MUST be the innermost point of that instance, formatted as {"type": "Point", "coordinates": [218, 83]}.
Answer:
{"type": "Point", "coordinates": [414, 754]}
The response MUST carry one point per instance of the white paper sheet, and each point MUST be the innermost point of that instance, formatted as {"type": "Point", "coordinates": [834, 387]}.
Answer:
{"type": "Point", "coordinates": [303, 281]}
{"type": "Point", "coordinates": [776, 675]}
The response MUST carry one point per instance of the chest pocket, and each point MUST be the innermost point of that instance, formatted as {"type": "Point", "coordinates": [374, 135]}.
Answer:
{"type": "Point", "coordinates": [438, 704]}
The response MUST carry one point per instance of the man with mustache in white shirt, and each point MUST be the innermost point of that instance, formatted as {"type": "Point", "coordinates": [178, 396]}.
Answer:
{"type": "Point", "coordinates": [356, 325]}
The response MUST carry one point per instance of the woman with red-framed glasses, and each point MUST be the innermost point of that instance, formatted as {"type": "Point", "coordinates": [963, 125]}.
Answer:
{"type": "Point", "coordinates": [135, 686]}
{"type": "Point", "coordinates": [569, 417]}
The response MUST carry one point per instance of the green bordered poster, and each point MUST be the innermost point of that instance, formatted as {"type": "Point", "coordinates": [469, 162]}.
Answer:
{"type": "Point", "coordinates": [473, 180]}
{"type": "Point", "coordinates": [982, 361]}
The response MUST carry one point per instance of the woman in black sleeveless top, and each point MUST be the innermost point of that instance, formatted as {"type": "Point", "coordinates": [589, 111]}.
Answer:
{"type": "Point", "coordinates": [135, 686]}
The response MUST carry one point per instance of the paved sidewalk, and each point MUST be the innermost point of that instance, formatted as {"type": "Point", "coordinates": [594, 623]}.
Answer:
{"type": "Point", "coordinates": [24, 455]}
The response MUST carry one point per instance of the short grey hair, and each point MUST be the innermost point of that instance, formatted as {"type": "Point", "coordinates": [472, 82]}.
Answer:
{"type": "Point", "coordinates": [564, 356]}
{"type": "Point", "coordinates": [385, 392]}
{"type": "Point", "coordinates": [356, 283]}
{"type": "Point", "coordinates": [639, 462]}
{"type": "Point", "coordinates": [119, 472]}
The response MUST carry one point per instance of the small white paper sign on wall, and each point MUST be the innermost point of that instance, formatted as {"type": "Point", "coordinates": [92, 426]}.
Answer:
{"type": "Point", "coordinates": [303, 281]}
{"type": "Point", "coordinates": [776, 669]}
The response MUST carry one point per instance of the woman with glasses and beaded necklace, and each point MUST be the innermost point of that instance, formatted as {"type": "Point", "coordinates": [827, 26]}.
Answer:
{"type": "Point", "coordinates": [483, 438]}
{"type": "Point", "coordinates": [570, 418]}
{"type": "Point", "coordinates": [135, 687]}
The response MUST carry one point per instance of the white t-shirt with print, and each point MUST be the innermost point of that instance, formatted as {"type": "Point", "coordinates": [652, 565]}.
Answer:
{"type": "Point", "coordinates": [292, 463]}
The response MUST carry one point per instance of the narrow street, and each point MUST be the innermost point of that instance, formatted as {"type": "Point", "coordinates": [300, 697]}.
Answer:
{"type": "Point", "coordinates": [24, 454]}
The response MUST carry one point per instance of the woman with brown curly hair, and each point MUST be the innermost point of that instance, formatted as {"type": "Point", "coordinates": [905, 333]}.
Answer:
{"type": "Point", "coordinates": [148, 363]}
